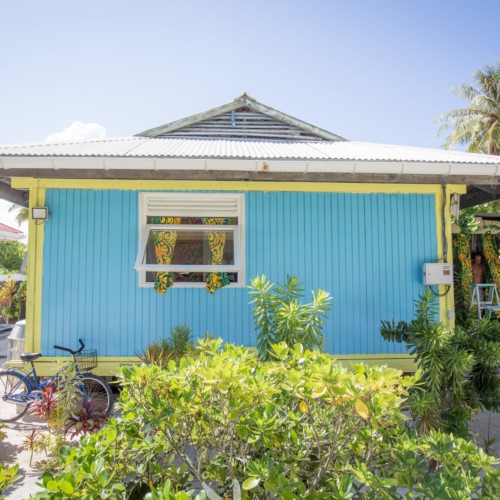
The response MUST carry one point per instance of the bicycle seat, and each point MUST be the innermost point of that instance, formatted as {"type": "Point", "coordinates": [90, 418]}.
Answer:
{"type": "Point", "coordinates": [30, 356]}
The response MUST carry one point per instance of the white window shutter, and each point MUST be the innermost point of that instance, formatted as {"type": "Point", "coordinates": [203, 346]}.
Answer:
{"type": "Point", "coordinates": [192, 205]}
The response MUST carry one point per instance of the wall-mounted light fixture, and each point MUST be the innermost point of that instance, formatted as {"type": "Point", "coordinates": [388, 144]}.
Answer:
{"type": "Point", "coordinates": [39, 213]}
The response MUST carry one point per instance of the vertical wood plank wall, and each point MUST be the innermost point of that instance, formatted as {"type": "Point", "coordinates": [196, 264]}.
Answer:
{"type": "Point", "coordinates": [367, 250]}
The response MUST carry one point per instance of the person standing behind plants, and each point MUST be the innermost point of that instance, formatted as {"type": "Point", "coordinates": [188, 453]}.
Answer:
{"type": "Point", "coordinates": [478, 269]}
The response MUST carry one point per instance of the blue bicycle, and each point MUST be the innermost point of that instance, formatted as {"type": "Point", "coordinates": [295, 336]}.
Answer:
{"type": "Point", "coordinates": [19, 389]}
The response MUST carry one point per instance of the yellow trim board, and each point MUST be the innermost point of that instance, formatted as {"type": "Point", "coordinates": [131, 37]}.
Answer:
{"type": "Point", "coordinates": [34, 277]}
{"type": "Point", "coordinates": [446, 301]}
{"type": "Point", "coordinates": [326, 187]}
{"type": "Point", "coordinates": [107, 366]}
{"type": "Point", "coordinates": [403, 362]}
{"type": "Point", "coordinates": [110, 366]}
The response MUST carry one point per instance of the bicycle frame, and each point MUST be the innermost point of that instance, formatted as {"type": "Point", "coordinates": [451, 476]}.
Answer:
{"type": "Point", "coordinates": [33, 382]}
{"type": "Point", "coordinates": [35, 386]}
{"type": "Point", "coordinates": [21, 388]}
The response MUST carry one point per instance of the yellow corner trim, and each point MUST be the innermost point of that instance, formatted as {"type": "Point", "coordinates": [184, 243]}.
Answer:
{"type": "Point", "coordinates": [35, 272]}
{"type": "Point", "coordinates": [326, 187]}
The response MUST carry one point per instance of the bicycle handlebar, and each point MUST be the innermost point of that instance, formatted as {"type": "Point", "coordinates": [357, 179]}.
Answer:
{"type": "Point", "coordinates": [67, 349]}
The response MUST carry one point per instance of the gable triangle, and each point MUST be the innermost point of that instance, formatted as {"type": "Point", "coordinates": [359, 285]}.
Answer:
{"type": "Point", "coordinates": [243, 118]}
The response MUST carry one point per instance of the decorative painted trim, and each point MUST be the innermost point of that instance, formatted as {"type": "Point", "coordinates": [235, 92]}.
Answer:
{"type": "Point", "coordinates": [307, 187]}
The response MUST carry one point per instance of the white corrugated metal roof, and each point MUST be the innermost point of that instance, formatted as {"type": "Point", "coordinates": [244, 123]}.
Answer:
{"type": "Point", "coordinates": [142, 147]}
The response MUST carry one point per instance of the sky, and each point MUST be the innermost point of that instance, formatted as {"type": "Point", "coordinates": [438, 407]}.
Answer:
{"type": "Point", "coordinates": [368, 70]}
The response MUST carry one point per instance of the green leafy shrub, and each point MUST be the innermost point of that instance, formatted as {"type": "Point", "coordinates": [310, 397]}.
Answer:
{"type": "Point", "coordinates": [12, 255]}
{"type": "Point", "coordinates": [298, 426]}
{"type": "Point", "coordinates": [8, 477]}
{"type": "Point", "coordinates": [280, 317]}
{"type": "Point", "coordinates": [458, 369]}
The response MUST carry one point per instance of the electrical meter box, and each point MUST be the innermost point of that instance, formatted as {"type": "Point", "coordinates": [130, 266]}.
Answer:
{"type": "Point", "coordinates": [438, 274]}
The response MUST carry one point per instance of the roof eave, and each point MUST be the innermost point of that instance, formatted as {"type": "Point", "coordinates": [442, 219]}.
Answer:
{"type": "Point", "coordinates": [20, 166]}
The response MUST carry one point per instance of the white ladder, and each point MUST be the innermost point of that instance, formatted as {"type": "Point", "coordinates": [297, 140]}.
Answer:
{"type": "Point", "coordinates": [485, 297]}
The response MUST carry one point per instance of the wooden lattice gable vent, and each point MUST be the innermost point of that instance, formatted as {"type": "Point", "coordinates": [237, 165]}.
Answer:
{"type": "Point", "coordinates": [243, 118]}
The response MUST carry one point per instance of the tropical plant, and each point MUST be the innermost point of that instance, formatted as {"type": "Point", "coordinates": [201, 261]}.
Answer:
{"type": "Point", "coordinates": [12, 255]}
{"type": "Point", "coordinates": [478, 125]}
{"type": "Point", "coordinates": [176, 346]}
{"type": "Point", "coordinates": [64, 408]}
{"type": "Point", "coordinates": [155, 353]}
{"type": "Point", "coordinates": [10, 300]}
{"type": "Point", "coordinates": [458, 369]}
{"type": "Point", "coordinates": [229, 425]}
{"type": "Point", "coordinates": [280, 317]}
{"type": "Point", "coordinates": [180, 342]}
{"type": "Point", "coordinates": [23, 214]}
{"type": "Point", "coordinates": [85, 419]}
{"type": "Point", "coordinates": [468, 222]}
{"type": "Point", "coordinates": [38, 441]}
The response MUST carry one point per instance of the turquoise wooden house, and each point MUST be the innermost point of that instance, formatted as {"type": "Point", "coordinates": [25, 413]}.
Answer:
{"type": "Point", "coordinates": [168, 227]}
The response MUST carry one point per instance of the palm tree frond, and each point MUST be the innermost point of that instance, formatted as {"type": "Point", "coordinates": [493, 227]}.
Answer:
{"type": "Point", "coordinates": [477, 126]}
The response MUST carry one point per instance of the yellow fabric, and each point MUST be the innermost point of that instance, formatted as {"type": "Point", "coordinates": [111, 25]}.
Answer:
{"type": "Point", "coordinates": [461, 244]}
{"type": "Point", "coordinates": [216, 242]}
{"type": "Point", "coordinates": [164, 250]}
{"type": "Point", "coordinates": [490, 252]}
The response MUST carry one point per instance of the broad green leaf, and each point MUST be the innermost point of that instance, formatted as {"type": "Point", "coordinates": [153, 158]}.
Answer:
{"type": "Point", "coordinates": [242, 432]}
{"type": "Point", "coordinates": [362, 409]}
{"type": "Point", "coordinates": [52, 485]}
{"type": "Point", "coordinates": [66, 487]}
{"type": "Point", "coordinates": [250, 483]}
{"type": "Point", "coordinates": [359, 369]}
{"type": "Point", "coordinates": [319, 391]}
{"type": "Point", "coordinates": [303, 407]}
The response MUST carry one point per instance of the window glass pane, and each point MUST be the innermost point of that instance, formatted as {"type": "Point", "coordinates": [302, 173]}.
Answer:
{"type": "Point", "coordinates": [193, 247]}
{"type": "Point", "coordinates": [197, 253]}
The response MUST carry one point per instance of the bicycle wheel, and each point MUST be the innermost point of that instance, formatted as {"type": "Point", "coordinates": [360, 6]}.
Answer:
{"type": "Point", "coordinates": [13, 392]}
{"type": "Point", "coordinates": [98, 391]}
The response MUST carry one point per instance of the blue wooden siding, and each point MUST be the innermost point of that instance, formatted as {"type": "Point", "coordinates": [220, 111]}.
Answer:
{"type": "Point", "coordinates": [367, 250]}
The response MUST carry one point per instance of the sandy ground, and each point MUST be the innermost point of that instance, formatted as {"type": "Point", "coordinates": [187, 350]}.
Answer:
{"type": "Point", "coordinates": [12, 452]}
{"type": "Point", "coordinates": [486, 427]}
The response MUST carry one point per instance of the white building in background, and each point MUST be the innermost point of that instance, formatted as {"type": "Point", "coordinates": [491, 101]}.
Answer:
{"type": "Point", "coordinates": [8, 233]}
